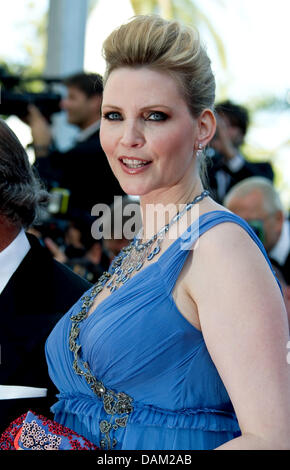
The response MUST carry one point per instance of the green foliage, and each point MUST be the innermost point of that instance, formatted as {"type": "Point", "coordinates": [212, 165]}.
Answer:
{"type": "Point", "coordinates": [28, 80]}
{"type": "Point", "coordinates": [91, 5]}
{"type": "Point", "coordinates": [34, 47]}
{"type": "Point", "coordinates": [145, 7]}
{"type": "Point", "coordinates": [34, 43]}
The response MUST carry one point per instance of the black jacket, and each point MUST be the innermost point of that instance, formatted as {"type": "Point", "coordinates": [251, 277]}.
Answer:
{"type": "Point", "coordinates": [37, 295]}
{"type": "Point", "coordinates": [85, 171]}
{"type": "Point", "coordinates": [284, 268]}
{"type": "Point", "coordinates": [216, 165]}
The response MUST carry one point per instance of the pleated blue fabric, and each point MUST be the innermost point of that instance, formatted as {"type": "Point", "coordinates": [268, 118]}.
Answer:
{"type": "Point", "coordinates": [137, 342]}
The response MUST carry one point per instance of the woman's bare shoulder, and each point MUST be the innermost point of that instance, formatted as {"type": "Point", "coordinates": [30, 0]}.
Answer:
{"type": "Point", "coordinates": [226, 250]}
{"type": "Point", "coordinates": [224, 236]}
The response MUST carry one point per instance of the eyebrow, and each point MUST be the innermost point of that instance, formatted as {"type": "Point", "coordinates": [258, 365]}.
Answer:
{"type": "Point", "coordinates": [151, 106]}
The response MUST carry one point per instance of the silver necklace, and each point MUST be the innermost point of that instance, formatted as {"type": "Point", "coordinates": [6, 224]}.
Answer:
{"type": "Point", "coordinates": [133, 256]}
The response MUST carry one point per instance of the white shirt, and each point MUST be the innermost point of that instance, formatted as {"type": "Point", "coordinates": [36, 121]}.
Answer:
{"type": "Point", "coordinates": [236, 163]}
{"type": "Point", "coordinates": [9, 392]}
{"type": "Point", "coordinates": [11, 257]}
{"type": "Point", "coordinates": [281, 250]}
{"type": "Point", "coordinates": [223, 179]}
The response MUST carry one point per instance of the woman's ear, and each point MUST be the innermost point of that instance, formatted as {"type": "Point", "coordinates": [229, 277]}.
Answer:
{"type": "Point", "coordinates": [206, 127]}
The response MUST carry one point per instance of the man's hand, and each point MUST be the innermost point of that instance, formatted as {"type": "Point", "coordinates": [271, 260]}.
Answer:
{"type": "Point", "coordinates": [55, 250]}
{"type": "Point", "coordinates": [40, 131]}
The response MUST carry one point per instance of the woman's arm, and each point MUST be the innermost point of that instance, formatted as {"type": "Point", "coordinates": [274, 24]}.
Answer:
{"type": "Point", "coordinates": [245, 327]}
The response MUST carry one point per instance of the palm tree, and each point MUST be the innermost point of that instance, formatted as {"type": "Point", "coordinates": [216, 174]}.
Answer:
{"type": "Point", "coordinates": [185, 10]}
{"type": "Point", "coordinates": [146, 7]}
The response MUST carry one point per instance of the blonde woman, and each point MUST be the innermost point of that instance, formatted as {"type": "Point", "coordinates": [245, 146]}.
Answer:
{"type": "Point", "coordinates": [182, 345]}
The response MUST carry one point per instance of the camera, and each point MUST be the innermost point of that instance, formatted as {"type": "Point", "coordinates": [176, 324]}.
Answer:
{"type": "Point", "coordinates": [15, 98]}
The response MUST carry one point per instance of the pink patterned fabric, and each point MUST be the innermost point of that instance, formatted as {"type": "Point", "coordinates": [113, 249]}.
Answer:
{"type": "Point", "coordinates": [35, 432]}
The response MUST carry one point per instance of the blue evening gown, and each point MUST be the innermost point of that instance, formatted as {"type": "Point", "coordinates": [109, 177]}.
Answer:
{"type": "Point", "coordinates": [138, 343]}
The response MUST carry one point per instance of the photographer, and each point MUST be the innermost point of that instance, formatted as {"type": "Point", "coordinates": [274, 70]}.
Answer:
{"type": "Point", "coordinates": [83, 170]}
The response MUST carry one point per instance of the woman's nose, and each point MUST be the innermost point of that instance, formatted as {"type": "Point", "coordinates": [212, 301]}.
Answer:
{"type": "Point", "coordinates": [132, 134]}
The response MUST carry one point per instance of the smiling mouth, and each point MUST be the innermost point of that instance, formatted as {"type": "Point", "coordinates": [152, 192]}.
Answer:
{"type": "Point", "coordinates": [134, 163]}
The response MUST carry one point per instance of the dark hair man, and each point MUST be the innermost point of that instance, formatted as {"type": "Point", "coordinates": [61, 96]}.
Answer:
{"type": "Point", "coordinates": [226, 163]}
{"type": "Point", "coordinates": [35, 290]}
{"type": "Point", "coordinates": [83, 169]}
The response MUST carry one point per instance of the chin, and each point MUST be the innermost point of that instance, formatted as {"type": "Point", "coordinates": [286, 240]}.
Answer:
{"type": "Point", "coordinates": [134, 190]}
{"type": "Point", "coordinates": [134, 185]}
{"type": "Point", "coordinates": [73, 122]}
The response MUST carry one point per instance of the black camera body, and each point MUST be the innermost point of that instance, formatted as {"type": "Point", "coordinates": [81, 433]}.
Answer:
{"type": "Point", "coordinates": [13, 103]}
{"type": "Point", "coordinates": [14, 99]}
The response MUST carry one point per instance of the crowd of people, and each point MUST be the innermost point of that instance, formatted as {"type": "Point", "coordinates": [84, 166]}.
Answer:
{"type": "Point", "coordinates": [49, 258]}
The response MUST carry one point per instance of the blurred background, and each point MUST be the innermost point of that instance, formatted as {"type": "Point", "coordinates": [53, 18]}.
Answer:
{"type": "Point", "coordinates": [246, 41]}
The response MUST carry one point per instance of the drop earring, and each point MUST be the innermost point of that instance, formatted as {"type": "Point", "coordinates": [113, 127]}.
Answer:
{"type": "Point", "coordinates": [199, 151]}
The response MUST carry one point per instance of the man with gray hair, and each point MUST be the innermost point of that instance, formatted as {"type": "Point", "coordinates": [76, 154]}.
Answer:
{"type": "Point", "coordinates": [257, 201]}
{"type": "Point", "coordinates": [35, 290]}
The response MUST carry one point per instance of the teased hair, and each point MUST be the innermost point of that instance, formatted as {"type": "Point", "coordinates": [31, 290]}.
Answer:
{"type": "Point", "coordinates": [165, 46]}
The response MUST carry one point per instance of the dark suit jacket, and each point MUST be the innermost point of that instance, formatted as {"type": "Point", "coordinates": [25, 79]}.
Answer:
{"type": "Point", "coordinates": [284, 268]}
{"type": "Point", "coordinates": [85, 171]}
{"type": "Point", "coordinates": [37, 295]}
{"type": "Point", "coordinates": [216, 164]}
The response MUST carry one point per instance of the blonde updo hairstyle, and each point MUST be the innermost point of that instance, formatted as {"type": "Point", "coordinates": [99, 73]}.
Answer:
{"type": "Point", "coordinates": [165, 46]}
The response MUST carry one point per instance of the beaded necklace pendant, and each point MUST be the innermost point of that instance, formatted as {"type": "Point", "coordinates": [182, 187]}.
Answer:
{"type": "Point", "coordinates": [133, 257]}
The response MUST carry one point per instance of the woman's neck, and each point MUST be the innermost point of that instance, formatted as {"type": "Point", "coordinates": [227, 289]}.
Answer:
{"type": "Point", "coordinates": [159, 207]}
